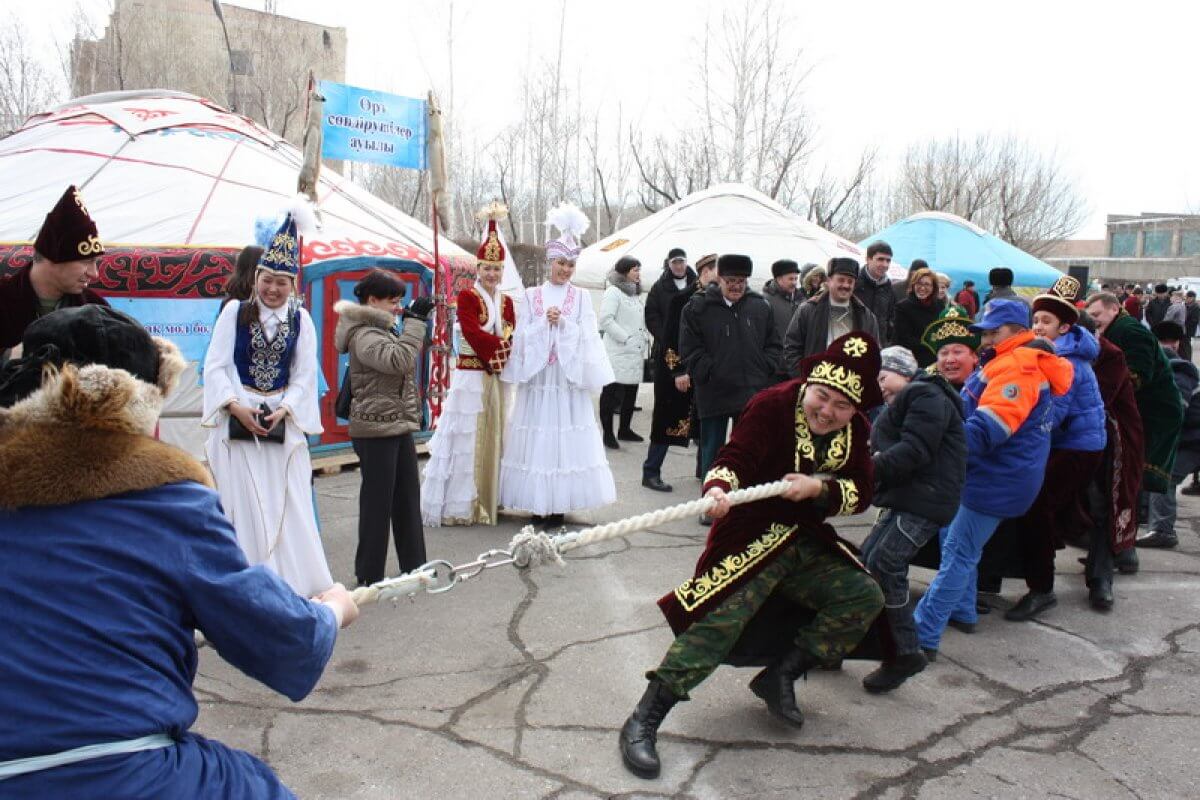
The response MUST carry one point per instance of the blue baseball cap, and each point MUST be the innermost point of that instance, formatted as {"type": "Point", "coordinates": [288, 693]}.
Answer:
{"type": "Point", "coordinates": [1002, 311]}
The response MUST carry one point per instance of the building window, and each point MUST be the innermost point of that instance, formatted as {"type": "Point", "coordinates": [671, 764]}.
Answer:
{"type": "Point", "coordinates": [241, 62]}
{"type": "Point", "coordinates": [1123, 244]}
{"type": "Point", "coordinates": [1189, 243]}
{"type": "Point", "coordinates": [1156, 244]}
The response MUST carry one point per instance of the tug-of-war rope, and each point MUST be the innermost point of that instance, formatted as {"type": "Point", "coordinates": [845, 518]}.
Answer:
{"type": "Point", "coordinates": [532, 548]}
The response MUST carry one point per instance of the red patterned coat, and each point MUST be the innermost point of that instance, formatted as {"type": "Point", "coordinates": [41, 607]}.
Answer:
{"type": "Point", "coordinates": [484, 350]}
{"type": "Point", "coordinates": [752, 535]}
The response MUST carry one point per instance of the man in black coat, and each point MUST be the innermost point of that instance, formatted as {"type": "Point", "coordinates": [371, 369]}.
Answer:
{"type": "Point", "coordinates": [730, 348]}
{"type": "Point", "coordinates": [784, 296]}
{"type": "Point", "coordinates": [919, 452]}
{"type": "Point", "coordinates": [676, 277]}
{"type": "Point", "coordinates": [1001, 281]}
{"type": "Point", "coordinates": [64, 263]}
{"type": "Point", "coordinates": [672, 422]}
{"type": "Point", "coordinates": [874, 288]}
{"type": "Point", "coordinates": [1156, 309]}
{"type": "Point", "coordinates": [830, 314]}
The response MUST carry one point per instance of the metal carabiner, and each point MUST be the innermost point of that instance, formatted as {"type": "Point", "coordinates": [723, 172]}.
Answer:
{"type": "Point", "coordinates": [441, 583]}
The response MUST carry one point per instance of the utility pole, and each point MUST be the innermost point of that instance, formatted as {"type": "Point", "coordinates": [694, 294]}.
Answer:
{"type": "Point", "coordinates": [233, 103]}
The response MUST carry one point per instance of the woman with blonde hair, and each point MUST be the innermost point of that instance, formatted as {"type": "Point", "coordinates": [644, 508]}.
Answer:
{"type": "Point", "coordinates": [915, 313]}
{"type": "Point", "coordinates": [813, 282]}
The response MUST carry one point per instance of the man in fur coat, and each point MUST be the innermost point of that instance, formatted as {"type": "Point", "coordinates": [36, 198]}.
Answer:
{"type": "Point", "coordinates": [768, 565]}
{"type": "Point", "coordinates": [115, 552]}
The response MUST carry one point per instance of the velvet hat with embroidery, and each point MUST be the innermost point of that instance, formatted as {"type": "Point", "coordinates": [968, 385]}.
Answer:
{"type": "Point", "coordinates": [952, 327]}
{"type": "Point", "coordinates": [850, 365]}
{"type": "Point", "coordinates": [1060, 300]}
{"type": "Point", "coordinates": [491, 251]}
{"type": "Point", "coordinates": [69, 232]}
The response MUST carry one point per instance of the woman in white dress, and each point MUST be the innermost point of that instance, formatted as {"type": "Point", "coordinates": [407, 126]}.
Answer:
{"type": "Point", "coordinates": [554, 460]}
{"type": "Point", "coordinates": [264, 352]}
{"type": "Point", "coordinates": [462, 478]}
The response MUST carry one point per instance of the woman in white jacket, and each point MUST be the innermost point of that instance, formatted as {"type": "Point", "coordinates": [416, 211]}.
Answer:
{"type": "Point", "coordinates": [622, 324]}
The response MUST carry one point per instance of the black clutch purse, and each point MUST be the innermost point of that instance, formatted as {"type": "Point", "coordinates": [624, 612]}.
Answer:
{"type": "Point", "coordinates": [237, 431]}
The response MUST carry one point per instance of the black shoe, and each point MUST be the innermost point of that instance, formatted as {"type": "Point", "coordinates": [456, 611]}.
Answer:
{"type": "Point", "coordinates": [656, 483]}
{"type": "Point", "coordinates": [1191, 490]}
{"type": "Point", "coordinates": [626, 435]}
{"type": "Point", "coordinates": [982, 607]}
{"type": "Point", "coordinates": [552, 522]}
{"type": "Point", "coordinates": [1159, 539]}
{"type": "Point", "coordinates": [610, 441]}
{"type": "Point", "coordinates": [959, 625]}
{"type": "Point", "coordinates": [930, 654]}
{"type": "Point", "coordinates": [536, 520]}
{"type": "Point", "coordinates": [1126, 561]}
{"type": "Point", "coordinates": [1100, 595]}
{"type": "Point", "coordinates": [890, 675]}
{"type": "Point", "coordinates": [776, 685]}
{"type": "Point", "coordinates": [1029, 606]}
{"type": "Point", "coordinates": [639, 735]}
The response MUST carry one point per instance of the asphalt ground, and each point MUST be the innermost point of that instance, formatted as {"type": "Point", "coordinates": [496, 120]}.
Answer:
{"type": "Point", "coordinates": [515, 684]}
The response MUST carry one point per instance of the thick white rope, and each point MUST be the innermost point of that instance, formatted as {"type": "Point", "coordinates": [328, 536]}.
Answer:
{"type": "Point", "coordinates": [531, 548]}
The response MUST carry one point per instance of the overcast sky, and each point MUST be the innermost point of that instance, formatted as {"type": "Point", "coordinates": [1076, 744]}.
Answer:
{"type": "Point", "coordinates": [1114, 93]}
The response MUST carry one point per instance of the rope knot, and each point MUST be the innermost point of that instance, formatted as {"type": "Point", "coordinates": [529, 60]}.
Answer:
{"type": "Point", "coordinates": [533, 548]}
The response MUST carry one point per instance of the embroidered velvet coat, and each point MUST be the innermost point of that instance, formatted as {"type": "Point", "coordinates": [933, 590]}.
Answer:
{"type": "Point", "coordinates": [484, 350]}
{"type": "Point", "coordinates": [747, 539]}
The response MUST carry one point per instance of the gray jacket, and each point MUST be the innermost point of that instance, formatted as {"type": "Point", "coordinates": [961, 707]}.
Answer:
{"type": "Point", "coordinates": [782, 307]}
{"type": "Point", "coordinates": [808, 333]}
{"type": "Point", "coordinates": [382, 370]}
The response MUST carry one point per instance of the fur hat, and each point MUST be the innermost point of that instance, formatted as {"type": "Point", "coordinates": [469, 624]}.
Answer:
{"type": "Point", "coordinates": [843, 266]}
{"type": "Point", "coordinates": [851, 366]}
{"type": "Point", "coordinates": [69, 233]}
{"type": "Point", "coordinates": [1168, 331]}
{"type": "Point", "coordinates": [1000, 276]}
{"type": "Point", "coordinates": [784, 266]}
{"type": "Point", "coordinates": [89, 334]}
{"type": "Point", "coordinates": [732, 265]}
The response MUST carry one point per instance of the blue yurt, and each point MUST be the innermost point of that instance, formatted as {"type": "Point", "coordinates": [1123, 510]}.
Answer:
{"type": "Point", "coordinates": [962, 250]}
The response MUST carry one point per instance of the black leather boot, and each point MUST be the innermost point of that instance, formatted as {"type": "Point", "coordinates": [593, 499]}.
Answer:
{"type": "Point", "coordinates": [640, 733]}
{"type": "Point", "coordinates": [606, 426]}
{"type": "Point", "coordinates": [775, 685]}
{"type": "Point", "coordinates": [625, 433]}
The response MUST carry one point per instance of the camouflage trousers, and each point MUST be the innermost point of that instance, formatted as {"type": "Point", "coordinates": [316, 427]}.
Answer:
{"type": "Point", "coordinates": [845, 598]}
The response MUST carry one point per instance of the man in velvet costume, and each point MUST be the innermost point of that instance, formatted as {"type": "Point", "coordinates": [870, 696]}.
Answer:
{"type": "Point", "coordinates": [767, 560]}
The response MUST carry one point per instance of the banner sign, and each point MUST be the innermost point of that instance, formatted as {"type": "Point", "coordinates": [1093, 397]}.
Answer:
{"type": "Point", "coordinates": [365, 125]}
{"type": "Point", "coordinates": [187, 323]}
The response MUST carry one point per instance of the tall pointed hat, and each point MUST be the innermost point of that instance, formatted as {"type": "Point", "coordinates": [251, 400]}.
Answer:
{"type": "Point", "coordinates": [491, 251]}
{"type": "Point", "coordinates": [281, 255]}
{"type": "Point", "coordinates": [572, 224]}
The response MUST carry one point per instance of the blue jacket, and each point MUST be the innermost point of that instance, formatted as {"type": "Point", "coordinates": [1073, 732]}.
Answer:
{"type": "Point", "coordinates": [1080, 412]}
{"type": "Point", "coordinates": [1010, 413]}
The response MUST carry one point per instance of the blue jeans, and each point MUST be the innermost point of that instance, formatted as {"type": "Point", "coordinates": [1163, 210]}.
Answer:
{"type": "Point", "coordinates": [895, 539]}
{"type": "Point", "coordinates": [712, 439]}
{"type": "Point", "coordinates": [656, 454]}
{"type": "Point", "coordinates": [952, 592]}
{"type": "Point", "coordinates": [1165, 507]}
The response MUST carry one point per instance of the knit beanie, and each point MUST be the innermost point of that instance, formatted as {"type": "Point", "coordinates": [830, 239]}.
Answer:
{"type": "Point", "coordinates": [899, 360]}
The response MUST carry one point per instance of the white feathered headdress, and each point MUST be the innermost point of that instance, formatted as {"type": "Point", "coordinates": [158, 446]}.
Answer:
{"type": "Point", "coordinates": [571, 223]}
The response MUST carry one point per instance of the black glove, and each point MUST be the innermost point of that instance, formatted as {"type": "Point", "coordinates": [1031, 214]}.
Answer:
{"type": "Point", "coordinates": [419, 308]}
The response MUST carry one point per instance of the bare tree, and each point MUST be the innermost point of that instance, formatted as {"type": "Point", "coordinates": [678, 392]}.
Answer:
{"type": "Point", "coordinates": [847, 204]}
{"type": "Point", "coordinates": [1003, 185]}
{"type": "Point", "coordinates": [27, 86]}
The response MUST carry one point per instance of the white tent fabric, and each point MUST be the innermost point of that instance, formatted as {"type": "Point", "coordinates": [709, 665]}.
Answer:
{"type": "Point", "coordinates": [729, 218]}
{"type": "Point", "coordinates": [158, 167]}
{"type": "Point", "coordinates": [169, 169]}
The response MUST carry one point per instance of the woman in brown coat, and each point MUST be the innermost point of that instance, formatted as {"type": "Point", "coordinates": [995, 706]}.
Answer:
{"type": "Point", "coordinates": [384, 414]}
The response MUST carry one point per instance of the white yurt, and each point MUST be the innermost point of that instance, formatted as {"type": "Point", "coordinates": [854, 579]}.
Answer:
{"type": "Point", "coordinates": [729, 218]}
{"type": "Point", "coordinates": [175, 184]}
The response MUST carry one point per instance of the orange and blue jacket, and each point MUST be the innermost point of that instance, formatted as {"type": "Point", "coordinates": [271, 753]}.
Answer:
{"type": "Point", "coordinates": [1010, 416]}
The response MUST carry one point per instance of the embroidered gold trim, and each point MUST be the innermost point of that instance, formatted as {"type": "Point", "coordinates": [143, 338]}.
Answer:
{"type": "Point", "coordinates": [683, 428]}
{"type": "Point", "coordinates": [470, 362]}
{"type": "Point", "coordinates": [836, 455]}
{"type": "Point", "coordinates": [723, 474]}
{"type": "Point", "coordinates": [672, 358]}
{"type": "Point", "coordinates": [846, 381]}
{"type": "Point", "coordinates": [849, 497]}
{"type": "Point", "coordinates": [855, 347]}
{"type": "Point", "coordinates": [696, 591]}
{"type": "Point", "coordinates": [805, 449]}
{"type": "Point", "coordinates": [839, 450]}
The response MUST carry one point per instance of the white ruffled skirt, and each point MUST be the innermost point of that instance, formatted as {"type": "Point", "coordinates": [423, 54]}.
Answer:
{"type": "Point", "coordinates": [554, 460]}
{"type": "Point", "coordinates": [461, 475]}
